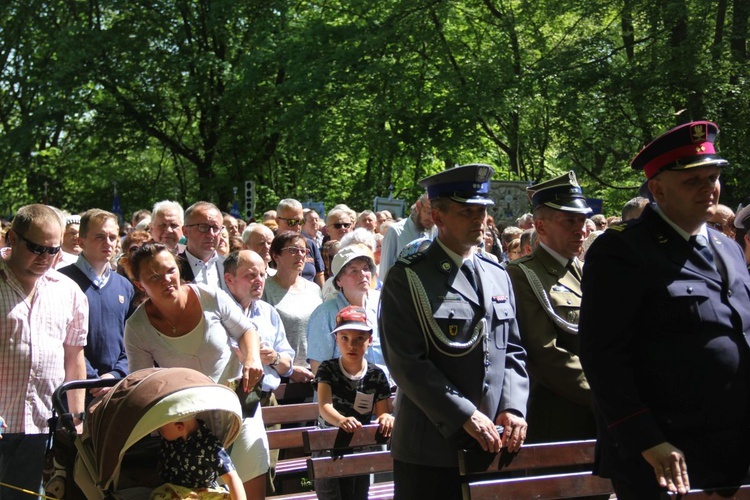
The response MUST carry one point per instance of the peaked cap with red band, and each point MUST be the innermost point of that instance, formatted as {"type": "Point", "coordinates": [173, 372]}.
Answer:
{"type": "Point", "coordinates": [689, 145]}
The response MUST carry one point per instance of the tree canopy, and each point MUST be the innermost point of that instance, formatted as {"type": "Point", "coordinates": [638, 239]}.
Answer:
{"type": "Point", "coordinates": [339, 101]}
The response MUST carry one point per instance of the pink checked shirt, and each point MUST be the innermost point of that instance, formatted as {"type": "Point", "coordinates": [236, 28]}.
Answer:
{"type": "Point", "coordinates": [32, 334]}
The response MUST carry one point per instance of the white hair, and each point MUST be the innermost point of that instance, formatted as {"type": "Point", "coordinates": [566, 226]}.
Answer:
{"type": "Point", "coordinates": [361, 236]}
{"type": "Point", "coordinates": [254, 227]}
{"type": "Point", "coordinates": [164, 205]}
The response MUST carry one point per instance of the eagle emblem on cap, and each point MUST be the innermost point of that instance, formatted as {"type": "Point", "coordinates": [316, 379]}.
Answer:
{"type": "Point", "coordinates": [483, 173]}
{"type": "Point", "coordinates": [698, 133]}
{"type": "Point", "coordinates": [453, 330]}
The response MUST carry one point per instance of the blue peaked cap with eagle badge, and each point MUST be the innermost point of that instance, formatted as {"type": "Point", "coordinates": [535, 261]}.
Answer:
{"type": "Point", "coordinates": [462, 184]}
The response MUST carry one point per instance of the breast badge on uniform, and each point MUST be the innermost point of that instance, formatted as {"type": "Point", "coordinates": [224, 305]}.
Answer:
{"type": "Point", "coordinates": [500, 299]}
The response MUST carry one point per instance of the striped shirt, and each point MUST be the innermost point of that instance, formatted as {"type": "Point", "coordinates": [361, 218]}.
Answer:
{"type": "Point", "coordinates": [33, 329]}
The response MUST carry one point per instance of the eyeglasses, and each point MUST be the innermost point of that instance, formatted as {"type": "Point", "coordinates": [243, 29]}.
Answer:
{"type": "Point", "coordinates": [293, 222]}
{"type": "Point", "coordinates": [295, 250]}
{"type": "Point", "coordinates": [204, 228]}
{"type": "Point", "coordinates": [38, 249]}
{"type": "Point", "coordinates": [339, 225]}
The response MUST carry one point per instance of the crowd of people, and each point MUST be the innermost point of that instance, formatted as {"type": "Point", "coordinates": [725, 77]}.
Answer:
{"type": "Point", "coordinates": [493, 336]}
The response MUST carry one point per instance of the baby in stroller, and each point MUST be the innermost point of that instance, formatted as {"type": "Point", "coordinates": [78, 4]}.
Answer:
{"type": "Point", "coordinates": [191, 457]}
{"type": "Point", "coordinates": [116, 455]}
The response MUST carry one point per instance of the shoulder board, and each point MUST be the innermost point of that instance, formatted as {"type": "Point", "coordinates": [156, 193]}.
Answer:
{"type": "Point", "coordinates": [484, 258]}
{"type": "Point", "coordinates": [624, 226]}
{"type": "Point", "coordinates": [410, 259]}
{"type": "Point", "coordinates": [521, 260]}
{"type": "Point", "coordinates": [414, 247]}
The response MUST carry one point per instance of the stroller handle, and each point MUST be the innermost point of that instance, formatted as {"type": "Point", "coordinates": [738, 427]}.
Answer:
{"type": "Point", "coordinates": [58, 403]}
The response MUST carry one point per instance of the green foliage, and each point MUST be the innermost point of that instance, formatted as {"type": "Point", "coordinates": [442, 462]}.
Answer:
{"type": "Point", "coordinates": [341, 101]}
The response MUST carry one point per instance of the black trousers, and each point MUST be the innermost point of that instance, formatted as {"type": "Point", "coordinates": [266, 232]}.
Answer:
{"type": "Point", "coordinates": [417, 482]}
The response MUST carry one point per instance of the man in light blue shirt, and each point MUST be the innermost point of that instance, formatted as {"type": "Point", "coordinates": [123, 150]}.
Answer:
{"type": "Point", "coordinates": [245, 278]}
{"type": "Point", "coordinates": [419, 224]}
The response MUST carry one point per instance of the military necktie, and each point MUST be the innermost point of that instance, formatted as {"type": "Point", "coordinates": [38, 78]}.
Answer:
{"type": "Point", "coordinates": [701, 244]}
{"type": "Point", "coordinates": [575, 269]}
{"type": "Point", "coordinates": [468, 269]}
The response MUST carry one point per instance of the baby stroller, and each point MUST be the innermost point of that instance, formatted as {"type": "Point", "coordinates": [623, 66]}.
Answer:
{"type": "Point", "coordinates": [116, 454]}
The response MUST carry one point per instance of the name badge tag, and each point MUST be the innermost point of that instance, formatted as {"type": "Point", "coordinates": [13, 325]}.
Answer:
{"type": "Point", "coordinates": [363, 403]}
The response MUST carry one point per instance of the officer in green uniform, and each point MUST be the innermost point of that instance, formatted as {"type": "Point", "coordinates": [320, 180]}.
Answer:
{"type": "Point", "coordinates": [547, 286]}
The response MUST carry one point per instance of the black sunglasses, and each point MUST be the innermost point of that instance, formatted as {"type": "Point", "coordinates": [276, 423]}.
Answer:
{"type": "Point", "coordinates": [38, 249]}
{"type": "Point", "coordinates": [293, 222]}
{"type": "Point", "coordinates": [339, 225]}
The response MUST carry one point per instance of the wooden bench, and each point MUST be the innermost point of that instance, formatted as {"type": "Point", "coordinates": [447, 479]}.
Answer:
{"type": "Point", "coordinates": [293, 440]}
{"type": "Point", "coordinates": [301, 413]}
{"type": "Point", "coordinates": [289, 471]}
{"type": "Point", "coordinates": [737, 492]}
{"type": "Point", "coordinates": [334, 439]}
{"type": "Point", "coordinates": [553, 470]}
{"type": "Point", "coordinates": [337, 465]}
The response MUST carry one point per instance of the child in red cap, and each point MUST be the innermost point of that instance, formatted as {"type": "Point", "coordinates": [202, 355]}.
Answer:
{"type": "Point", "coordinates": [350, 391]}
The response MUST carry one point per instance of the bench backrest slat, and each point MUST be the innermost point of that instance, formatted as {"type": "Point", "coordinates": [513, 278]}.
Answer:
{"type": "Point", "coordinates": [738, 492]}
{"type": "Point", "coordinates": [530, 457]}
{"type": "Point", "coordinates": [282, 439]}
{"type": "Point", "coordinates": [335, 438]}
{"type": "Point", "coordinates": [582, 484]}
{"type": "Point", "coordinates": [290, 414]}
{"type": "Point", "coordinates": [350, 465]}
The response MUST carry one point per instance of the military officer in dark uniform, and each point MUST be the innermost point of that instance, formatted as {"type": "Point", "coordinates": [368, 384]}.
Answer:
{"type": "Point", "coordinates": [664, 331]}
{"type": "Point", "coordinates": [547, 285]}
{"type": "Point", "coordinates": [448, 323]}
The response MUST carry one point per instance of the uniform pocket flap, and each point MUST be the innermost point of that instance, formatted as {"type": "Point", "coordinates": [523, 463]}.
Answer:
{"type": "Point", "coordinates": [688, 289]}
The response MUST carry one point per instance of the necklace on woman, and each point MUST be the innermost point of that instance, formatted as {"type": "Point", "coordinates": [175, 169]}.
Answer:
{"type": "Point", "coordinates": [174, 328]}
{"type": "Point", "coordinates": [161, 316]}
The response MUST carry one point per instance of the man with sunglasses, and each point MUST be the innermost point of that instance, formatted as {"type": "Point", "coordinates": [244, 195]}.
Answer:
{"type": "Point", "coordinates": [200, 263]}
{"type": "Point", "coordinates": [338, 223]}
{"type": "Point", "coordinates": [41, 344]}
{"type": "Point", "coordinates": [289, 218]}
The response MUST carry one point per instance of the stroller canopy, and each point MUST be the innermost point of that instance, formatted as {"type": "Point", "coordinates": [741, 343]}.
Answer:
{"type": "Point", "coordinates": [148, 399]}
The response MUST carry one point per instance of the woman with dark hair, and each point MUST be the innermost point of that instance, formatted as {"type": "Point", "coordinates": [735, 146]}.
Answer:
{"type": "Point", "coordinates": [190, 326]}
{"type": "Point", "coordinates": [132, 242]}
{"type": "Point", "coordinates": [294, 297]}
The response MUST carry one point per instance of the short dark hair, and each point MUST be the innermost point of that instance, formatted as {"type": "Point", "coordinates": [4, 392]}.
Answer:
{"type": "Point", "coordinates": [231, 262]}
{"type": "Point", "coordinates": [146, 252]}
{"type": "Point", "coordinates": [281, 241]}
